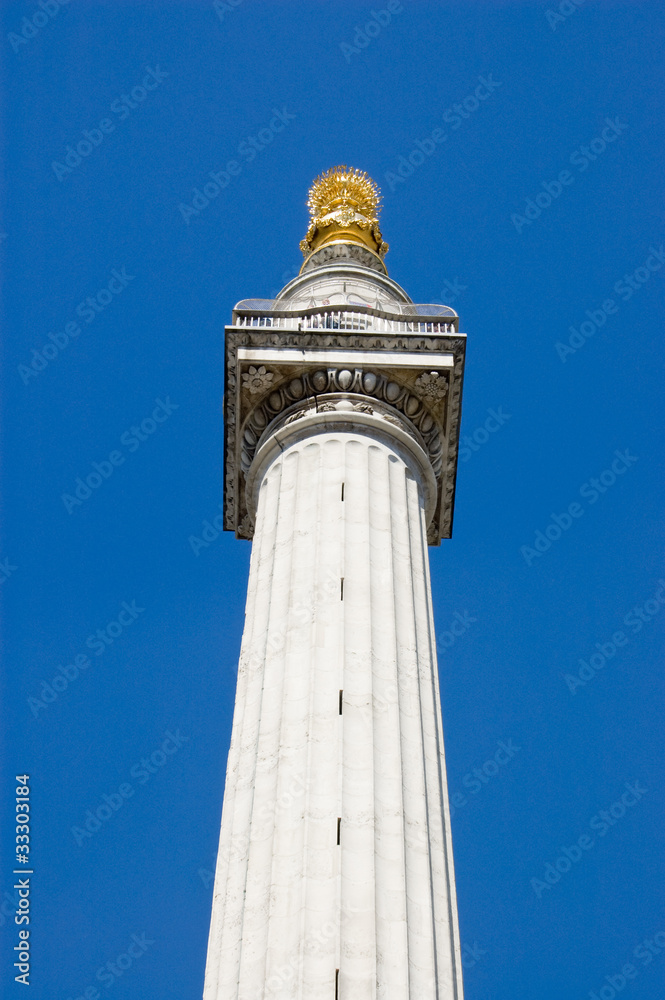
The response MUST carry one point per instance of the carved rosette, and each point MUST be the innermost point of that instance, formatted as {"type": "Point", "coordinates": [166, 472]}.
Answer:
{"type": "Point", "coordinates": [432, 385]}
{"type": "Point", "coordinates": [270, 386]}
{"type": "Point", "coordinates": [256, 380]}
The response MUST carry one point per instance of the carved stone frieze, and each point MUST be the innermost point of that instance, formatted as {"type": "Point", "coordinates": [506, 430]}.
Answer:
{"type": "Point", "coordinates": [265, 414]}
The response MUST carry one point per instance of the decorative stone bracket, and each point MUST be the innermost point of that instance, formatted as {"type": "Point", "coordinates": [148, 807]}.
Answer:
{"type": "Point", "coordinates": [275, 378]}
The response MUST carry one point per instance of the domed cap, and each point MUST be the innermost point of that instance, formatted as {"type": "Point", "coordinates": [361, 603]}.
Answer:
{"type": "Point", "coordinates": [344, 205]}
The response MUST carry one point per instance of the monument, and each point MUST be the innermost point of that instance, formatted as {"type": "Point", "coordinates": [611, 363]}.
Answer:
{"type": "Point", "coordinates": [335, 873]}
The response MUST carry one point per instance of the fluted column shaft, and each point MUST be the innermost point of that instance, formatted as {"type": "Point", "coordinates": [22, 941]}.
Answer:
{"type": "Point", "coordinates": [335, 863]}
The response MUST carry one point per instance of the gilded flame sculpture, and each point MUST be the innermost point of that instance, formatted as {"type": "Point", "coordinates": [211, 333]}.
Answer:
{"type": "Point", "coordinates": [344, 205]}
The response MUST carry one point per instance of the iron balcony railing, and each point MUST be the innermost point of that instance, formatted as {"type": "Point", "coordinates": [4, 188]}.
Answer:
{"type": "Point", "coordinates": [427, 319]}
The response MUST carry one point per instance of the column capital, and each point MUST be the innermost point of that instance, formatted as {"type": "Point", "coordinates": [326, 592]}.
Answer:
{"type": "Point", "coordinates": [344, 413]}
{"type": "Point", "coordinates": [406, 380]}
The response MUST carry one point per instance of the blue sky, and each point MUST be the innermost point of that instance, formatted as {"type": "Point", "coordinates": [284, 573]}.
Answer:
{"type": "Point", "coordinates": [553, 258]}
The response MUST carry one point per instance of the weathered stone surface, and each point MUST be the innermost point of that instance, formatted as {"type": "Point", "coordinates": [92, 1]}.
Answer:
{"type": "Point", "coordinates": [335, 868]}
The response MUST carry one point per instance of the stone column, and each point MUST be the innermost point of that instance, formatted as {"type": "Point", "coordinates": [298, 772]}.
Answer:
{"type": "Point", "coordinates": [334, 877]}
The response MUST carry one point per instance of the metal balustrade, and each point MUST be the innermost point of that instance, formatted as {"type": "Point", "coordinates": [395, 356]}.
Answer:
{"type": "Point", "coordinates": [343, 319]}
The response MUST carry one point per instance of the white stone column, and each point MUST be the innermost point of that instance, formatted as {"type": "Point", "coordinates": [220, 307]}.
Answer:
{"type": "Point", "coordinates": [338, 600]}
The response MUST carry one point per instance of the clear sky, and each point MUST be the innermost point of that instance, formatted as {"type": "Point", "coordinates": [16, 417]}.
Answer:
{"type": "Point", "coordinates": [536, 211]}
